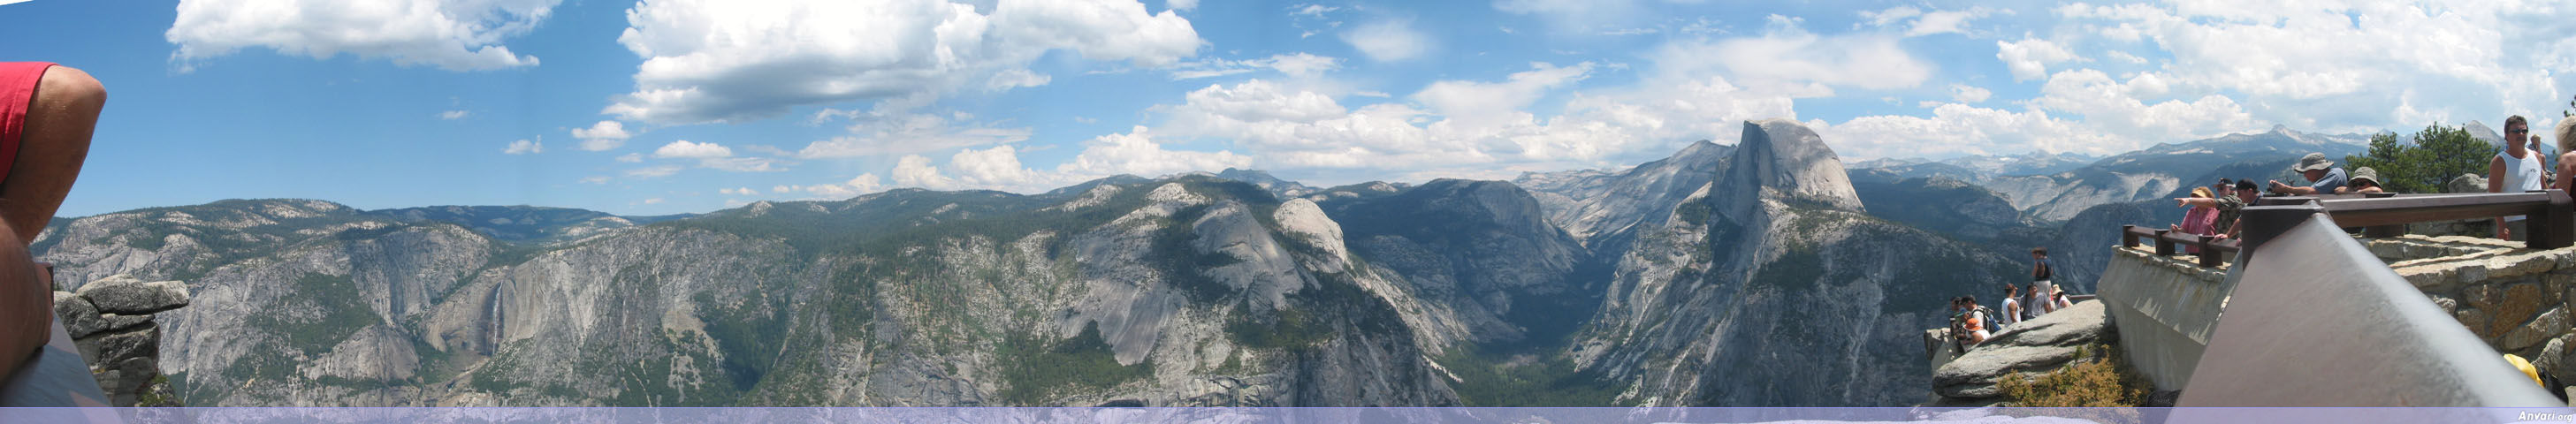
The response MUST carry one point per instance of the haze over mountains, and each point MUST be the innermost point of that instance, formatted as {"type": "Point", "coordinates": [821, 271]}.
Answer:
{"type": "Point", "coordinates": [1762, 273]}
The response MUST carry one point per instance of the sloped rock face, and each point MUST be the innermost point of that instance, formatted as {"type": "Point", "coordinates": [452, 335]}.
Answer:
{"type": "Point", "coordinates": [1184, 292]}
{"type": "Point", "coordinates": [1783, 161]}
{"type": "Point", "coordinates": [1480, 251]}
{"type": "Point", "coordinates": [1599, 209]}
{"type": "Point", "coordinates": [110, 321]}
{"type": "Point", "coordinates": [2034, 346]}
{"type": "Point", "coordinates": [1770, 288]}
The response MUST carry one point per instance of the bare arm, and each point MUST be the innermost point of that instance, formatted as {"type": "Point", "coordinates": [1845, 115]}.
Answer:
{"type": "Point", "coordinates": [26, 303]}
{"type": "Point", "coordinates": [2564, 172]}
{"type": "Point", "coordinates": [2495, 184]}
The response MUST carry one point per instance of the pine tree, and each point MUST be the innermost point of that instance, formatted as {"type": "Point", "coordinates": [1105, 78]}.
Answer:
{"type": "Point", "coordinates": [2437, 155]}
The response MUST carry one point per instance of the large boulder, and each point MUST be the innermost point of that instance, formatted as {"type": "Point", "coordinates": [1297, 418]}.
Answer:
{"type": "Point", "coordinates": [2034, 346]}
{"type": "Point", "coordinates": [123, 294]}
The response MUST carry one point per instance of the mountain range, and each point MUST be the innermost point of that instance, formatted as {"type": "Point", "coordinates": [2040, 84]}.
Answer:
{"type": "Point", "coordinates": [1758, 273]}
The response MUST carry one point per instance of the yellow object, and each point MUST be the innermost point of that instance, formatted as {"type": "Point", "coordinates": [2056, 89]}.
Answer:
{"type": "Point", "coordinates": [2526, 368]}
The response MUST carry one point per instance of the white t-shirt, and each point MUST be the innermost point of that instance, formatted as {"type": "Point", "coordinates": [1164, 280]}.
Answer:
{"type": "Point", "coordinates": [2012, 311]}
{"type": "Point", "coordinates": [2520, 174]}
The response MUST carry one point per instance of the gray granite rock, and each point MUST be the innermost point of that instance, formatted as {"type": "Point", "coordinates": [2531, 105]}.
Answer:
{"type": "Point", "coordinates": [78, 316]}
{"type": "Point", "coordinates": [123, 294]}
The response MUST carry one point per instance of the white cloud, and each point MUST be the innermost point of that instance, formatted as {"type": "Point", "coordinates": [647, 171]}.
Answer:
{"type": "Point", "coordinates": [862, 184]}
{"type": "Point", "coordinates": [745, 191]}
{"type": "Point", "coordinates": [743, 164]}
{"type": "Point", "coordinates": [707, 60]}
{"type": "Point", "coordinates": [1015, 78]}
{"type": "Point", "coordinates": [1135, 152]}
{"type": "Point", "coordinates": [1388, 40]}
{"type": "Point", "coordinates": [1314, 10]}
{"type": "Point", "coordinates": [1955, 129]}
{"type": "Point", "coordinates": [2117, 108]}
{"type": "Point", "coordinates": [655, 200]}
{"type": "Point", "coordinates": [452, 115]}
{"type": "Point", "coordinates": [999, 168]}
{"type": "Point", "coordinates": [654, 171]}
{"type": "Point", "coordinates": [1478, 103]}
{"type": "Point", "coordinates": [524, 146]}
{"type": "Point", "coordinates": [1787, 59]}
{"type": "Point", "coordinates": [600, 179]}
{"type": "Point", "coordinates": [1181, 4]}
{"type": "Point", "coordinates": [1969, 94]}
{"type": "Point", "coordinates": [686, 149]}
{"type": "Point", "coordinates": [885, 131]}
{"type": "Point", "coordinates": [602, 136]}
{"type": "Point", "coordinates": [457, 35]}
{"type": "Point", "coordinates": [2029, 58]}
{"type": "Point", "coordinates": [1298, 65]}
{"type": "Point", "coordinates": [631, 158]}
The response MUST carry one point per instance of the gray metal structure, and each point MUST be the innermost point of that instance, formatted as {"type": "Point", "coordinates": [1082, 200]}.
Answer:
{"type": "Point", "coordinates": [2315, 320]}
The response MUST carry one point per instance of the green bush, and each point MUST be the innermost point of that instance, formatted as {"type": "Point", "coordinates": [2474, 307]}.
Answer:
{"type": "Point", "coordinates": [1034, 373]}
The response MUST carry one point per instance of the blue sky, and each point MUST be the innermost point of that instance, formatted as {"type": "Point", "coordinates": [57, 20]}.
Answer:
{"type": "Point", "coordinates": [659, 107]}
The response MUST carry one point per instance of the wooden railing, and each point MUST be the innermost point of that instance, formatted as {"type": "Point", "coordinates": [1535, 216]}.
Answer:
{"type": "Point", "coordinates": [2549, 219]}
{"type": "Point", "coordinates": [2547, 213]}
{"type": "Point", "coordinates": [2212, 250]}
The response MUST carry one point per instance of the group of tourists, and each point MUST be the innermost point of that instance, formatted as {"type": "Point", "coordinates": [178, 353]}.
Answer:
{"type": "Point", "coordinates": [1972, 323]}
{"type": "Point", "coordinates": [2516, 168]}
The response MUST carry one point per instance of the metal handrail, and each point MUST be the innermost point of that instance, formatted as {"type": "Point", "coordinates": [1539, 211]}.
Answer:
{"type": "Point", "coordinates": [2548, 213]}
{"type": "Point", "coordinates": [2315, 319]}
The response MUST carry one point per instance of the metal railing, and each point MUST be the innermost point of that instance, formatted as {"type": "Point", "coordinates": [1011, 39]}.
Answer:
{"type": "Point", "coordinates": [2211, 249]}
{"type": "Point", "coordinates": [2314, 319]}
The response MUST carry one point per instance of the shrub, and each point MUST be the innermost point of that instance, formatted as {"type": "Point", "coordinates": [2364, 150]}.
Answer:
{"type": "Point", "coordinates": [2098, 378]}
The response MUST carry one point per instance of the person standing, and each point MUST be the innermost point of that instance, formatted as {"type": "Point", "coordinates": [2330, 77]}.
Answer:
{"type": "Point", "coordinates": [2323, 177]}
{"type": "Point", "coordinates": [2039, 275]}
{"type": "Point", "coordinates": [2513, 170]}
{"type": "Point", "coordinates": [2566, 134]}
{"type": "Point", "coordinates": [2012, 307]}
{"type": "Point", "coordinates": [47, 113]}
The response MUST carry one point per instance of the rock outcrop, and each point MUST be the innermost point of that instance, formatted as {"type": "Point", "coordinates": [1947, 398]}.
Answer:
{"type": "Point", "coordinates": [110, 320]}
{"type": "Point", "coordinates": [2030, 347]}
{"type": "Point", "coordinates": [1769, 287]}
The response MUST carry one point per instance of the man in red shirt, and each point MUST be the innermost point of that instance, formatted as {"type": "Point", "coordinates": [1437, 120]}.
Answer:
{"type": "Point", "coordinates": [46, 114]}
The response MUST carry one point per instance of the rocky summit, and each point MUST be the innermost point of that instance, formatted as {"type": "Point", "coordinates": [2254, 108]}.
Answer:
{"type": "Point", "coordinates": [1748, 274]}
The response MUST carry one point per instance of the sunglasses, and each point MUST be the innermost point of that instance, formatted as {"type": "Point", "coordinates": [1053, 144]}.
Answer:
{"type": "Point", "coordinates": [2518, 131]}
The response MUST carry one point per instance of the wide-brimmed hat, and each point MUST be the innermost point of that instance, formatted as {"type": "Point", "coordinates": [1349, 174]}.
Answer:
{"type": "Point", "coordinates": [2312, 162]}
{"type": "Point", "coordinates": [2200, 192]}
{"type": "Point", "coordinates": [2367, 174]}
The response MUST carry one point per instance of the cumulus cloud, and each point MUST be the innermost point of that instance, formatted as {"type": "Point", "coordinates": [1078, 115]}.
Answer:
{"type": "Point", "coordinates": [707, 61]}
{"type": "Point", "coordinates": [1388, 40]}
{"type": "Point", "coordinates": [2305, 65]}
{"type": "Point", "coordinates": [744, 191]}
{"type": "Point", "coordinates": [1181, 4]}
{"type": "Point", "coordinates": [457, 35]}
{"type": "Point", "coordinates": [602, 136]}
{"type": "Point", "coordinates": [631, 158]}
{"type": "Point", "coordinates": [862, 184]}
{"type": "Point", "coordinates": [1481, 103]}
{"type": "Point", "coordinates": [999, 168]}
{"type": "Point", "coordinates": [1969, 94]}
{"type": "Point", "coordinates": [2029, 58]}
{"type": "Point", "coordinates": [1787, 59]}
{"type": "Point", "coordinates": [452, 115]}
{"type": "Point", "coordinates": [524, 146]}
{"type": "Point", "coordinates": [686, 149]}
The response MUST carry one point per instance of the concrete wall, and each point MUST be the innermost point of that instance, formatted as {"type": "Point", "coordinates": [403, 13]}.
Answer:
{"type": "Point", "coordinates": [2164, 309]}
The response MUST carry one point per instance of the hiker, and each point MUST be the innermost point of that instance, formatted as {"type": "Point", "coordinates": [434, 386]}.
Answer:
{"type": "Point", "coordinates": [2057, 298]}
{"type": "Point", "coordinates": [2322, 176]}
{"type": "Point", "coordinates": [2566, 134]}
{"type": "Point", "coordinates": [2201, 220]}
{"type": "Point", "coordinates": [2039, 275]}
{"type": "Point", "coordinates": [1972, 320]}
{"type": "Point", "coordinates": [46, 115]}
{"type": "Point", "coordinates": [2513, 170]}
{"type": "Point", "coordinates": [2364, 180]}
{"type": "Point", "coordinates": [2012, 307]}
